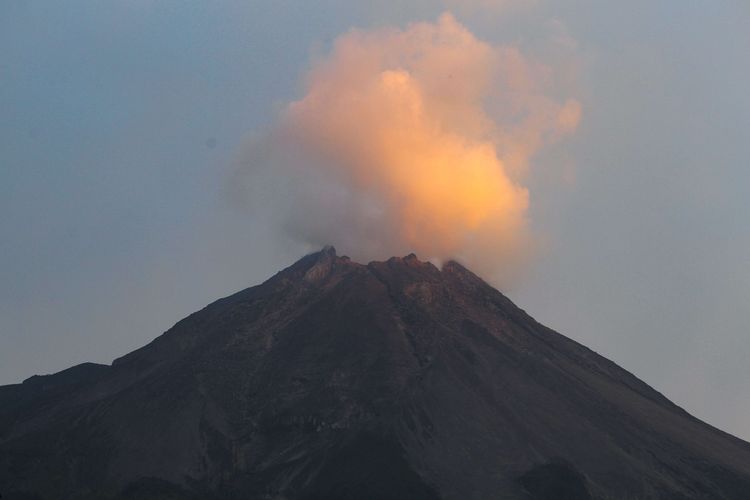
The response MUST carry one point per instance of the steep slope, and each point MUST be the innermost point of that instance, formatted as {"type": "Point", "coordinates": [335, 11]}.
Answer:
{"type": "Point", "coordinates": [337, 380]}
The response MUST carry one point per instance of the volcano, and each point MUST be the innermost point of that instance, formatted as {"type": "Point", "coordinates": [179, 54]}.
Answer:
{"type": "Point", "coordinates": [339, 380]}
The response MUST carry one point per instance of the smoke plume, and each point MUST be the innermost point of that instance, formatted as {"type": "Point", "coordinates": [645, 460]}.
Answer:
{"type": "Point", "coordinates": [413, 140]}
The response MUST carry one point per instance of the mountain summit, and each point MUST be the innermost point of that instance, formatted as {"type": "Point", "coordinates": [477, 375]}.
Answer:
{"type": "Point", "coordinates": [338, 380]}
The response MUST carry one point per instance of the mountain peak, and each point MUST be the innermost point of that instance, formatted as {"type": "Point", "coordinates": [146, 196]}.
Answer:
{"type": "Point", "coordinates": [329, 250]}
{"type": "Point", "coordinates": [323, 265]}
{"type": "Point", "coordinates": [340, 380]}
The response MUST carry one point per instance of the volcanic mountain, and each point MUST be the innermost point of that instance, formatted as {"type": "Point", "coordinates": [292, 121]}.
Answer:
{"type": "Point", "coordinates": [338, 380]}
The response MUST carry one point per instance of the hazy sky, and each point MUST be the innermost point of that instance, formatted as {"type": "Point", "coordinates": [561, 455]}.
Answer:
{"type": "Point", "coordinates": [121, 124]}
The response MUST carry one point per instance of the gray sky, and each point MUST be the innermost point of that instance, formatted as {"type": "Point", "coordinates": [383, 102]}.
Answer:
{"type": "Point", "coordinates": [121, 122]}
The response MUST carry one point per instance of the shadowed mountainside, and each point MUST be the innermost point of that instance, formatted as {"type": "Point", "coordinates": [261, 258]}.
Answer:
{"type": "Point", "coordinates": [338, 380]}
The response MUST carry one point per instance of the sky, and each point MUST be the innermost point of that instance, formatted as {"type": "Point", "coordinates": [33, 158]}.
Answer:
{"type": "Point", "coordinates": [123, 126]}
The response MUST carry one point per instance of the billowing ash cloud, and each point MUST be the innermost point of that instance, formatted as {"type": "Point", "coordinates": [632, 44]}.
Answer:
{"type": "Point", "coordinates": [412, 140]}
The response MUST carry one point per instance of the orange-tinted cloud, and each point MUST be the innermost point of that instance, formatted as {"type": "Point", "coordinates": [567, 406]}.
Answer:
{"type": "Point", "coordinates": [418, 140]}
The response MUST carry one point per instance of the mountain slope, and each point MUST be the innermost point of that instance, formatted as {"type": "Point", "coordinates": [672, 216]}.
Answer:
{"type": "Point", "coordinates": [337, 380]}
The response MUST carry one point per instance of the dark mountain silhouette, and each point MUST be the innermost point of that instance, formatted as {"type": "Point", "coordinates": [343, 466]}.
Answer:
{"type": "Point", "coordinates": [337, 380]}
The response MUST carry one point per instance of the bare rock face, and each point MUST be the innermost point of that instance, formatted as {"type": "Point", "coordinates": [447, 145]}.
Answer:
{"type": "Point", "coordinates": [337, 380]}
